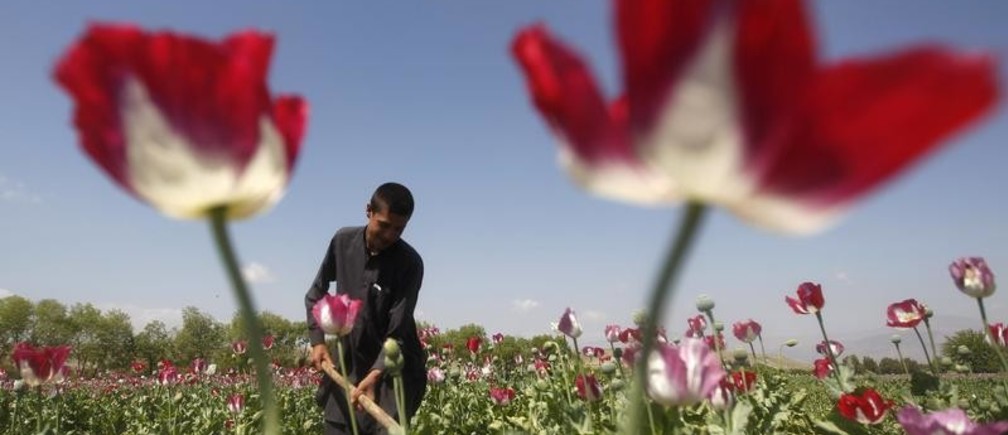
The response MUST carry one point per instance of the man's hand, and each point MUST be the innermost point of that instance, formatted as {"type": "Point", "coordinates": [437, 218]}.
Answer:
{"type": "Point", "coordinates": [319, 353]}
{"type": "Point", "coordinates": [365, 387]}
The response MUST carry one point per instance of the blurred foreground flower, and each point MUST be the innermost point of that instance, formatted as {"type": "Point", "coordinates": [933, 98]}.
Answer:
{"type": "Point", "coordinates": [184, 124]}
{"type": "Point", "coordinates": [729, 103]}
{"type": "Point", "coordinates": [726, 103]}
{"type": "Point", "coordinates": [865, 408]}
{"type": "Point", "coordinates": [189, 126]}
{"type": "Point", "coordinates": [952, 421]}
{"type": "Point", "coordinates": [40, 365]}
{"type": "Point", "coordinates": [684, 374]}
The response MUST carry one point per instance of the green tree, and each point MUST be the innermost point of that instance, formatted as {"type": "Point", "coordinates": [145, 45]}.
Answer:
{"type": "Point", "coordinates": [201, 336]}
{"type": "Point", "coordinates": [981, 358]}
{"type": "Point", "coordinates": [889, 366]}
{"type": "Point", "coordinates": [15, 322]}
{"type": "Point", "coordinates": [869, 364]}
{"type": "Point", "coordinates": [153, 344]}
{"type": "Point", "coordinates": [853, 362]}
{"type": "Point", "coordinates": [115, 334]}
{"type": "Point", "coordinates": [85, 323]}
{"type": "Point", "coordinates": [51, 328]}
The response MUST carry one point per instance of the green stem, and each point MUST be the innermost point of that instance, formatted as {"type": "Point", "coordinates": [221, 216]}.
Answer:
{"type": "Point", "coordinates": [926, 356]}
{"type": "Point", "coordinates": [619, 364]}
{"type": "Point", "coordinates": [662, 290]}
{"type": "Point", "coordinates": [902, 361]}
{"type": "Point", "coordinates": [829, 350]}
{"type": "Point", "coordinates": [650, 417]}
{"type": "Point", "coordinates": [755, 361]}
{"type": "Point", "coordinates": [997, 349]}
{"type": "Point", "coordinates": [761, 348]}
{"type": "Point", "coordinates": [400, 401]}
{"type": "Point", "coordinates": [348, 389]}
{"type": "Point", "coordinates": [927, 326]}
{"type": "Point", "coordinates": [716, 338]}
{"type": "Point", "coordinates": [250, 322]}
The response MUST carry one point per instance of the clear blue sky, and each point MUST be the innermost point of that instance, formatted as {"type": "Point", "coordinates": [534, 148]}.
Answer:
{"type": "Point", "coordinates": [427, 94]}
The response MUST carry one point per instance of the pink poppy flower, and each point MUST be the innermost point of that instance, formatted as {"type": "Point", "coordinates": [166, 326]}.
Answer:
{"type": "Point", "coordinates": [684, 374]}
{"type": "Point", "coordinates": [336, 314]}
{"type": "Point", "coordinates": [747, 331]}
{"type": "Point", "coordinates": [973, 277]}
{"type": "Point", "coordinates": [953, 421]}
{"type": "Point", "coordinates": [569, 324]}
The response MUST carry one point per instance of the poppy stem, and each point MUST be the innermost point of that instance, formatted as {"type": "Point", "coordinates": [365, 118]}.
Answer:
{"type": "Point", "coordinates": [829, 350]}
{"type": "Point", "coordinates": [927, 326]}
{"type": "Point", "coordinates": [926, 355]}
{"type": "Point", "coordinates": [250, 321]}
{"type": "Point", "coordinates": [994, 340]}
{"type": "Point", "coordinates": [400, 400]}
{"type": "Point", "coordinates": [761, 348]}
{"type": "Point", "coordinates": [349, 388]}
{"type": "Point", "coordinates": [689, 224]}
{"type": "Point", "coordinates": [716, 337]}
{"type": "Point", "coordinates": [902, 361]}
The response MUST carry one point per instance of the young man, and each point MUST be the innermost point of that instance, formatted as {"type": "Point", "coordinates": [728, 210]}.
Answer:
{"type": "Point", "coordinates": [374, 265]}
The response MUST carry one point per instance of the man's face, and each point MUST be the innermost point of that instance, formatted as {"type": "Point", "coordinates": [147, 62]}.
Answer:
{"type": "Point", "coordinates": [383, 228]}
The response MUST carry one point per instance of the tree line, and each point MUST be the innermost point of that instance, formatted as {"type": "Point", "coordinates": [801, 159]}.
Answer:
{"type": "Point", "coordinates": [105, 340]}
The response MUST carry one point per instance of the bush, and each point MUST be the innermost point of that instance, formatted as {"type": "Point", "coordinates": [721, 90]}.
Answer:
{"type": "Point", "coordinates": [982, 357]}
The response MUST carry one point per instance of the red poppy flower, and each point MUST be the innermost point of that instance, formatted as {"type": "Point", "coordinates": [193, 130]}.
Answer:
{"type": "Point", "coordinates": [728, 103]}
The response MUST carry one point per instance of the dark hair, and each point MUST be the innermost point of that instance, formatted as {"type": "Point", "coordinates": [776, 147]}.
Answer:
{"type": "Point", "coordinates": [395, 196]}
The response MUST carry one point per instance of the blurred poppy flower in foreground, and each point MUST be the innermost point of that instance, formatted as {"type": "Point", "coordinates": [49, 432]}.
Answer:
{"type": "Point", "coordinates": [728, 103]}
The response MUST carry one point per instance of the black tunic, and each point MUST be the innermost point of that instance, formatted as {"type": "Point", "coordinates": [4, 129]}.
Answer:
{"type": "Point", "coordinates": [388, 283]}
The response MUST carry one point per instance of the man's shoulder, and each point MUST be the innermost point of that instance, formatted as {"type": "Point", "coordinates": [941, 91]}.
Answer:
{"type": "Point", "coordinates": [409, 253]}
{"type": "Point", "coordinates": [346, 232]}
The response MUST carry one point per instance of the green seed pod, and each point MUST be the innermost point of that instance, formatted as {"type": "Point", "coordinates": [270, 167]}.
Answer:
{"type": "Point", "coordinates": [392, 348]}
{"type": "Point", "coordinates": [617, 384]}
{"type": "Point", "coordinates": [542, 385]}
{"type": "Point", "coordinates": [704, 303]}
{"type": "Point", "coordinates": [607, 367]}
{"type": "Point", "coordinates": [963, 350]}
{"type": "Point", "coordinates": [718, 326]}
{"type": "Point", "coordinates": [740, 355]}
{"type": "Point", "coordinates": [640, 318]}
{"type": "Point", "coordinates": [896, 339]}
{"type": "Point", "coordinates": [791, 343]}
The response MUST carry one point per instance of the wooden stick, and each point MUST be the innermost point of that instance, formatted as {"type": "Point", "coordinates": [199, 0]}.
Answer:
{"type": "Point", "coordinates": [372, 408]}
